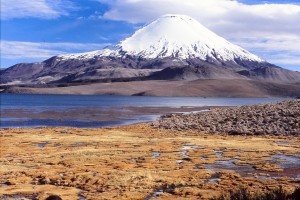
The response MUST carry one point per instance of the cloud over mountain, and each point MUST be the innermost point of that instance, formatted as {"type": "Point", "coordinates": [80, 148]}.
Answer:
{"type": "Point", "coordinates": [43, 50]}
{"type": "Point", "coordinates": [250, 24]}
{"type": "Point", "coordinates": [266, 28]}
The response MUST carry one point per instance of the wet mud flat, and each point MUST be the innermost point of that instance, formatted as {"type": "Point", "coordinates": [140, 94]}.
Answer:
{"type": "Point", "coordinates": [85, 117]}
{"type": "Point", "coordinates": [140, 162]}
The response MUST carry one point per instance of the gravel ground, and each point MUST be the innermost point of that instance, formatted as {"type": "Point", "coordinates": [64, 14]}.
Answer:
{"type": "Point", "coordinates": [281, 118]}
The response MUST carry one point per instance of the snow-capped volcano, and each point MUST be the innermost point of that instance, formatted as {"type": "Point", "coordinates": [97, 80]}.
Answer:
{"type": "Point", "coordinates": [182, 37]}
{"type": "Point", "coordinates": [173, 47]}
{"type": "Point", "coordinates": [175, 36]}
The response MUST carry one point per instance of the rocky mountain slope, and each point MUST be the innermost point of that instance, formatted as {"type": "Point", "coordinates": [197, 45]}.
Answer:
{"type": "Point", "coordinates": [173, 47]}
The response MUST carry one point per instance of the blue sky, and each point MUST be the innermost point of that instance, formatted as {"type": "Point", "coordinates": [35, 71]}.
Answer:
{"type": "Point", "coordinates": [32, 31]}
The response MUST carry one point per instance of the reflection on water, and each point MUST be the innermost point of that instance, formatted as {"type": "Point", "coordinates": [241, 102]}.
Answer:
{"type": "Point", "coordinates": [289, 163]}
{"type": "Point", "coordinates": [228, 165]}
{"type": "Point", "coordinates": [282, 143]}
{"type": "Point", "coordinates": [32, 110]}
{"type": "Point", "coordinates": [286, 161]}
{"type": "Point", "coordinates": [74, 122]}
{"type": "Point", "coordinates": [155, 154]}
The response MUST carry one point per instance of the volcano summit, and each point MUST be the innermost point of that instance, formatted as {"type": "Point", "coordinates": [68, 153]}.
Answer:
{"type": "Point", "coordinates": [173, 47]}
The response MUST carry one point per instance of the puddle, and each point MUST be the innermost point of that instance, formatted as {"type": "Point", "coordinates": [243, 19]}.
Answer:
{"type": "Point", "coordinates": [184, 149]}
{"type": "Point", "coordinates": [179, 161]}
{"type": "Point", "coordinates": [267, 177]}
{"type": "Point", "coordinates": [188, 147]}
{"type": "Point", "coordinates": [156, 154]}
{"type": "Point", "coordinates": [282, 143]}
{"type": "Point", "coordinates": [262, 177]}
{"type": "Point", "coordinates": [183, 152]}
{"type": "Point", "coordinates": [219, 154]}
{"type": "Point", "coordinates": [29, 167]}
{"type": "Point", "coordinates": [3, 185]}
{"type": "Point", "coordinates": [81, 197]}
{"type": "Point", "coordinates": [286, 161]}
{"type": "Point", "coordinates": [243, 170]}
{"type": "Point", "coordinates": [79, 144]}
{"type": "Point", "coordinates": [228, 165]}
{"type": "Point", "coordinates": [290, 165]}
{"type": "Point", "coordinates": [213, 180]}
{"type": "Point", "coordinates": [21, 197]}
{"type": "Point", "coordinates": [155, 194]}
{"type": "Point", "coordinates": [289, 172]}
{"type": "Point", "coordinates": [42, 144]}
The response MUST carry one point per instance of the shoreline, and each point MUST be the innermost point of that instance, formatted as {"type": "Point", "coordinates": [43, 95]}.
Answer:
{"type": "Point", "coordinates": [106, 114]}
{"type": "Point", "coordinates": [94, 117]}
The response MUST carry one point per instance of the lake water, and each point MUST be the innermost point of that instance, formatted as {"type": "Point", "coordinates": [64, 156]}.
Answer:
{"type": "Point", "coordinates": [32, 110]}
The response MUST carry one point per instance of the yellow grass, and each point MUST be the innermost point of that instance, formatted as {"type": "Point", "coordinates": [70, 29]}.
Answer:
{"type": "Point", "coordinates": [117, 163]}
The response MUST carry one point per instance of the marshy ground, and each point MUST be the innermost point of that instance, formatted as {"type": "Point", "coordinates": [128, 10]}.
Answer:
{"type": "Point", "coordinates": [140, 162]}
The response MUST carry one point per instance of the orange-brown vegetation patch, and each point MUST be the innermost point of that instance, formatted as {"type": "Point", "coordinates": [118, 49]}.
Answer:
{"type": "Point", "coordinates": [134, 162]}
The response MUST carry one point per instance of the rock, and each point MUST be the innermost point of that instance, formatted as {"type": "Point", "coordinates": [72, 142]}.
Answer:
{"type": "Point", "coordinates": [266, 119]}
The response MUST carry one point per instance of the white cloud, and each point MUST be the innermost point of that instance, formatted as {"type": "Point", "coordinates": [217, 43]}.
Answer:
{"type": "Point", "coordinates": [33, 50]}
{"type": "Point", "coordinates": [227, 17]}
{"type": "Point", "coordinates": [266, 29]}
{"type": "Point", "coordinates": [282, 50]}
{"type": "Point", "coordinates": [286, 60]}
{"type": "Point", "coordinates": [290, 43]}
{"type": "Point", "coordinates": [46, 9]}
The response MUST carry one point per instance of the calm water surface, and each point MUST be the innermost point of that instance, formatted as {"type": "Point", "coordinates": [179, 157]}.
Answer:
{"type": "Point", "coordinates": [13, 105]}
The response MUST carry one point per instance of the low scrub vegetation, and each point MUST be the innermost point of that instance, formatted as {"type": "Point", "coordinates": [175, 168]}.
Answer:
{"type": "Point", "coordinates": [276, 194]}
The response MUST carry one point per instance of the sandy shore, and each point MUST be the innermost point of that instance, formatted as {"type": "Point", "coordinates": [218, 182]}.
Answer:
{"type": "Point", "coordinates": [140, 162]}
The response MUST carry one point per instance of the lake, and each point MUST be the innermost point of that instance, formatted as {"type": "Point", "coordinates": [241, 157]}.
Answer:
{"type": "Point", "coordinates": [34, 110]}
